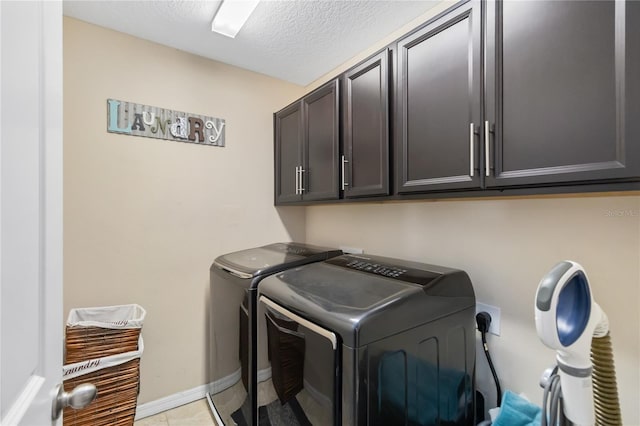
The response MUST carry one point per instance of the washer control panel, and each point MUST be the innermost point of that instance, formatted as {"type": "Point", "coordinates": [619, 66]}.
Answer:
{"type": "Point", "coordinates": [376, 268]}
{"type": "Point", "coordinates": [376, 265]}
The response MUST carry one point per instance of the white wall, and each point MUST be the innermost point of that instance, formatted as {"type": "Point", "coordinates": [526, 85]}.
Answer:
{"type": "Point", "coordinates": [144, 218]}
{"type": "Point", "coordinates": [506, 246]}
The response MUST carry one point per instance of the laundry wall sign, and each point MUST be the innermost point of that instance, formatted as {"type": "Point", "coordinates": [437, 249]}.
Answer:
{"type": "Point", "coordinates": [143, 120]}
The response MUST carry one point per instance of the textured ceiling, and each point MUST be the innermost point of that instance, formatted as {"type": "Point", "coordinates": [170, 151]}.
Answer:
{"type": "Point", "coordinates": [297, 41]}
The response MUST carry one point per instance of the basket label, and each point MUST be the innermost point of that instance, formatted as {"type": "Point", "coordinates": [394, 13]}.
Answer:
{"type": "Point", "coordinates": [82, 367]}
{"type": "Point", "coordinates": [70, 371]}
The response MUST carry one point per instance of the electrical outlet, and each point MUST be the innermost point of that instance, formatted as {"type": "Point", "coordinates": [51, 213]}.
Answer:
{"type": "Point", "coordinates": [494, 311]}
{"type": "Point", "coordinates": [351, 250]}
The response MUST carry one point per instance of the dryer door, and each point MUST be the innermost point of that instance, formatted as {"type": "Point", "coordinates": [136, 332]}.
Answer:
{"type": "Point", "coordinates": [305, 372]}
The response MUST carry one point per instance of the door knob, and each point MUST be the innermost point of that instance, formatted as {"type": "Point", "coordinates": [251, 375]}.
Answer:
{"type": "Point", "coordinates": [81, 396]}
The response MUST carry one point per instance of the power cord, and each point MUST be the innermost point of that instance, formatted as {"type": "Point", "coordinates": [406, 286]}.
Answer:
{"type": "Point", "coordinates": [551, 398]}
{"type": "Point", "coordinates": [483, 320]}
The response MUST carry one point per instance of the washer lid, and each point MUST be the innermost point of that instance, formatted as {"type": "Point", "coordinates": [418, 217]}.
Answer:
{"type": "Point", "coordinates": [271, 258]}
{"type": "Point", "coordinates": [364, 299]}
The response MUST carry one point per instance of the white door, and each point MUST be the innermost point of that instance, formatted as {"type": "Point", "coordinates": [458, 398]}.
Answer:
{"type": "Point", "coordinates": [31, 319]}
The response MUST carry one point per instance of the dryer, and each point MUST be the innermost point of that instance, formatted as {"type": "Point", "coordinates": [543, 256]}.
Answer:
{"type": "Point", "coordinates": [234, 358]}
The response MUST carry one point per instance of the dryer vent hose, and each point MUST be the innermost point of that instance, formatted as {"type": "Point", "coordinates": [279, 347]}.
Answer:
{"type": "Point", "coordinates": [605, 388]}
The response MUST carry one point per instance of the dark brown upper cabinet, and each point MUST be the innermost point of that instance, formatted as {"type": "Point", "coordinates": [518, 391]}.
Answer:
{"type": "Point", "coordinates": [562, 92]}
{"type": "Point", "coordinates": [288, 153]}
{"type": "Point", "coordinates": [365, 157]}
{"type": "Point", "coordinates": [438, 104]}
{"type": "Point", "coordinates": [307, 148]}
{"type": "Point", "coordinates": [489, 97]}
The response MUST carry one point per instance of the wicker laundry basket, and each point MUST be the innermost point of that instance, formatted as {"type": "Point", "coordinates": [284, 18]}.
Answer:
{"type": "Point", "coordinates": [103, 347]}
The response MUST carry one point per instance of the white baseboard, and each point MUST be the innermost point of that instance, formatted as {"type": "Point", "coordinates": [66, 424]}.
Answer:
{"type": "Point", "coordinates": [264, 374]}
{"type": "Point", "coordinates": [194, 394]}
{"type": "Point", "coordinates": [185, 397]}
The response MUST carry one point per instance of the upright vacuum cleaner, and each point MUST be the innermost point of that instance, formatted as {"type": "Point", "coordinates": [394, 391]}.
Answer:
{"type": "Point", "coordinates": [581, 389]}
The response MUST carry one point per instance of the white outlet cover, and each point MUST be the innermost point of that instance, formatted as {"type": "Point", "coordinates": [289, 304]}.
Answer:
{"type": "Point", "coordinates": [494, 311]}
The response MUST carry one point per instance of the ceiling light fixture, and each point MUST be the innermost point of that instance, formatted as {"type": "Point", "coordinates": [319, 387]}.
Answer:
{"type": "Point", "coordinates": [232, 15]}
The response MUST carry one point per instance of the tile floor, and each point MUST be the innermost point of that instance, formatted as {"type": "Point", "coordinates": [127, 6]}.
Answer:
{"type": "Point", "coordinates": [198, 413]}
{"type": "Point", "coordinates": [194, 414]}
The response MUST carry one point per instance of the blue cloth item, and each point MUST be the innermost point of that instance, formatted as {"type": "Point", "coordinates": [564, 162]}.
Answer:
{"type": "Point", "coordinates": [517, 411]}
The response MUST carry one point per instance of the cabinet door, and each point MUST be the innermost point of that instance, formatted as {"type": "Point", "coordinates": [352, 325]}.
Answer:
{"type": "Point", "coordinates": [321, 144]}
{"type": "Point", "coordinates": [288, 139]}
{"type": "Point", "coordinates": [562, 98]}
{"type": "Point", "coordinates": [439, 103]}
{"type": "Point", "coordinates": [365, 171]}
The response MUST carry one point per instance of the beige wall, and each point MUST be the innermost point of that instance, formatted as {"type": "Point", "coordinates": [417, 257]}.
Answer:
{"type": "Point", "coordinates": [144, 218]}
{"type": "Point", "coordinates": [506, 246]}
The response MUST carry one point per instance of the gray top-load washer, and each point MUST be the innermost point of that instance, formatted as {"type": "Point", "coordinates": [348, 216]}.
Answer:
{"type": "Point", "coordinates": [402, 335]}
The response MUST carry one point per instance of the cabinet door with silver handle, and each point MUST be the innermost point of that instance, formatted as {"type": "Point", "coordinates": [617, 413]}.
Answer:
{"type": "Point", "coordinates": [320, 160]}
{"type": "Point", "coordinates": [288, 124]}
{"type": "Point", "coordinates": [78, 398]}
{"type": "Point", "coordinates": [438, 104]}
{"type": "Point", "coordinates": [366, 128]}
{"type": "Point", "coordinates": [547, 127]}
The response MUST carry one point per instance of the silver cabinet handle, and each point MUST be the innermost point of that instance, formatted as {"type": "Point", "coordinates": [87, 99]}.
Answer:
{"type": "Point", "coordinates": [487, 163]}
{"type": "Point", "coordinates": [344, 183]}
{"type": "Point", "coordinates": [297, 181]}
{"type": "Point", "coordinates": [301, 180]}
{"type": "Point", "coordinates": [472, 163]}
